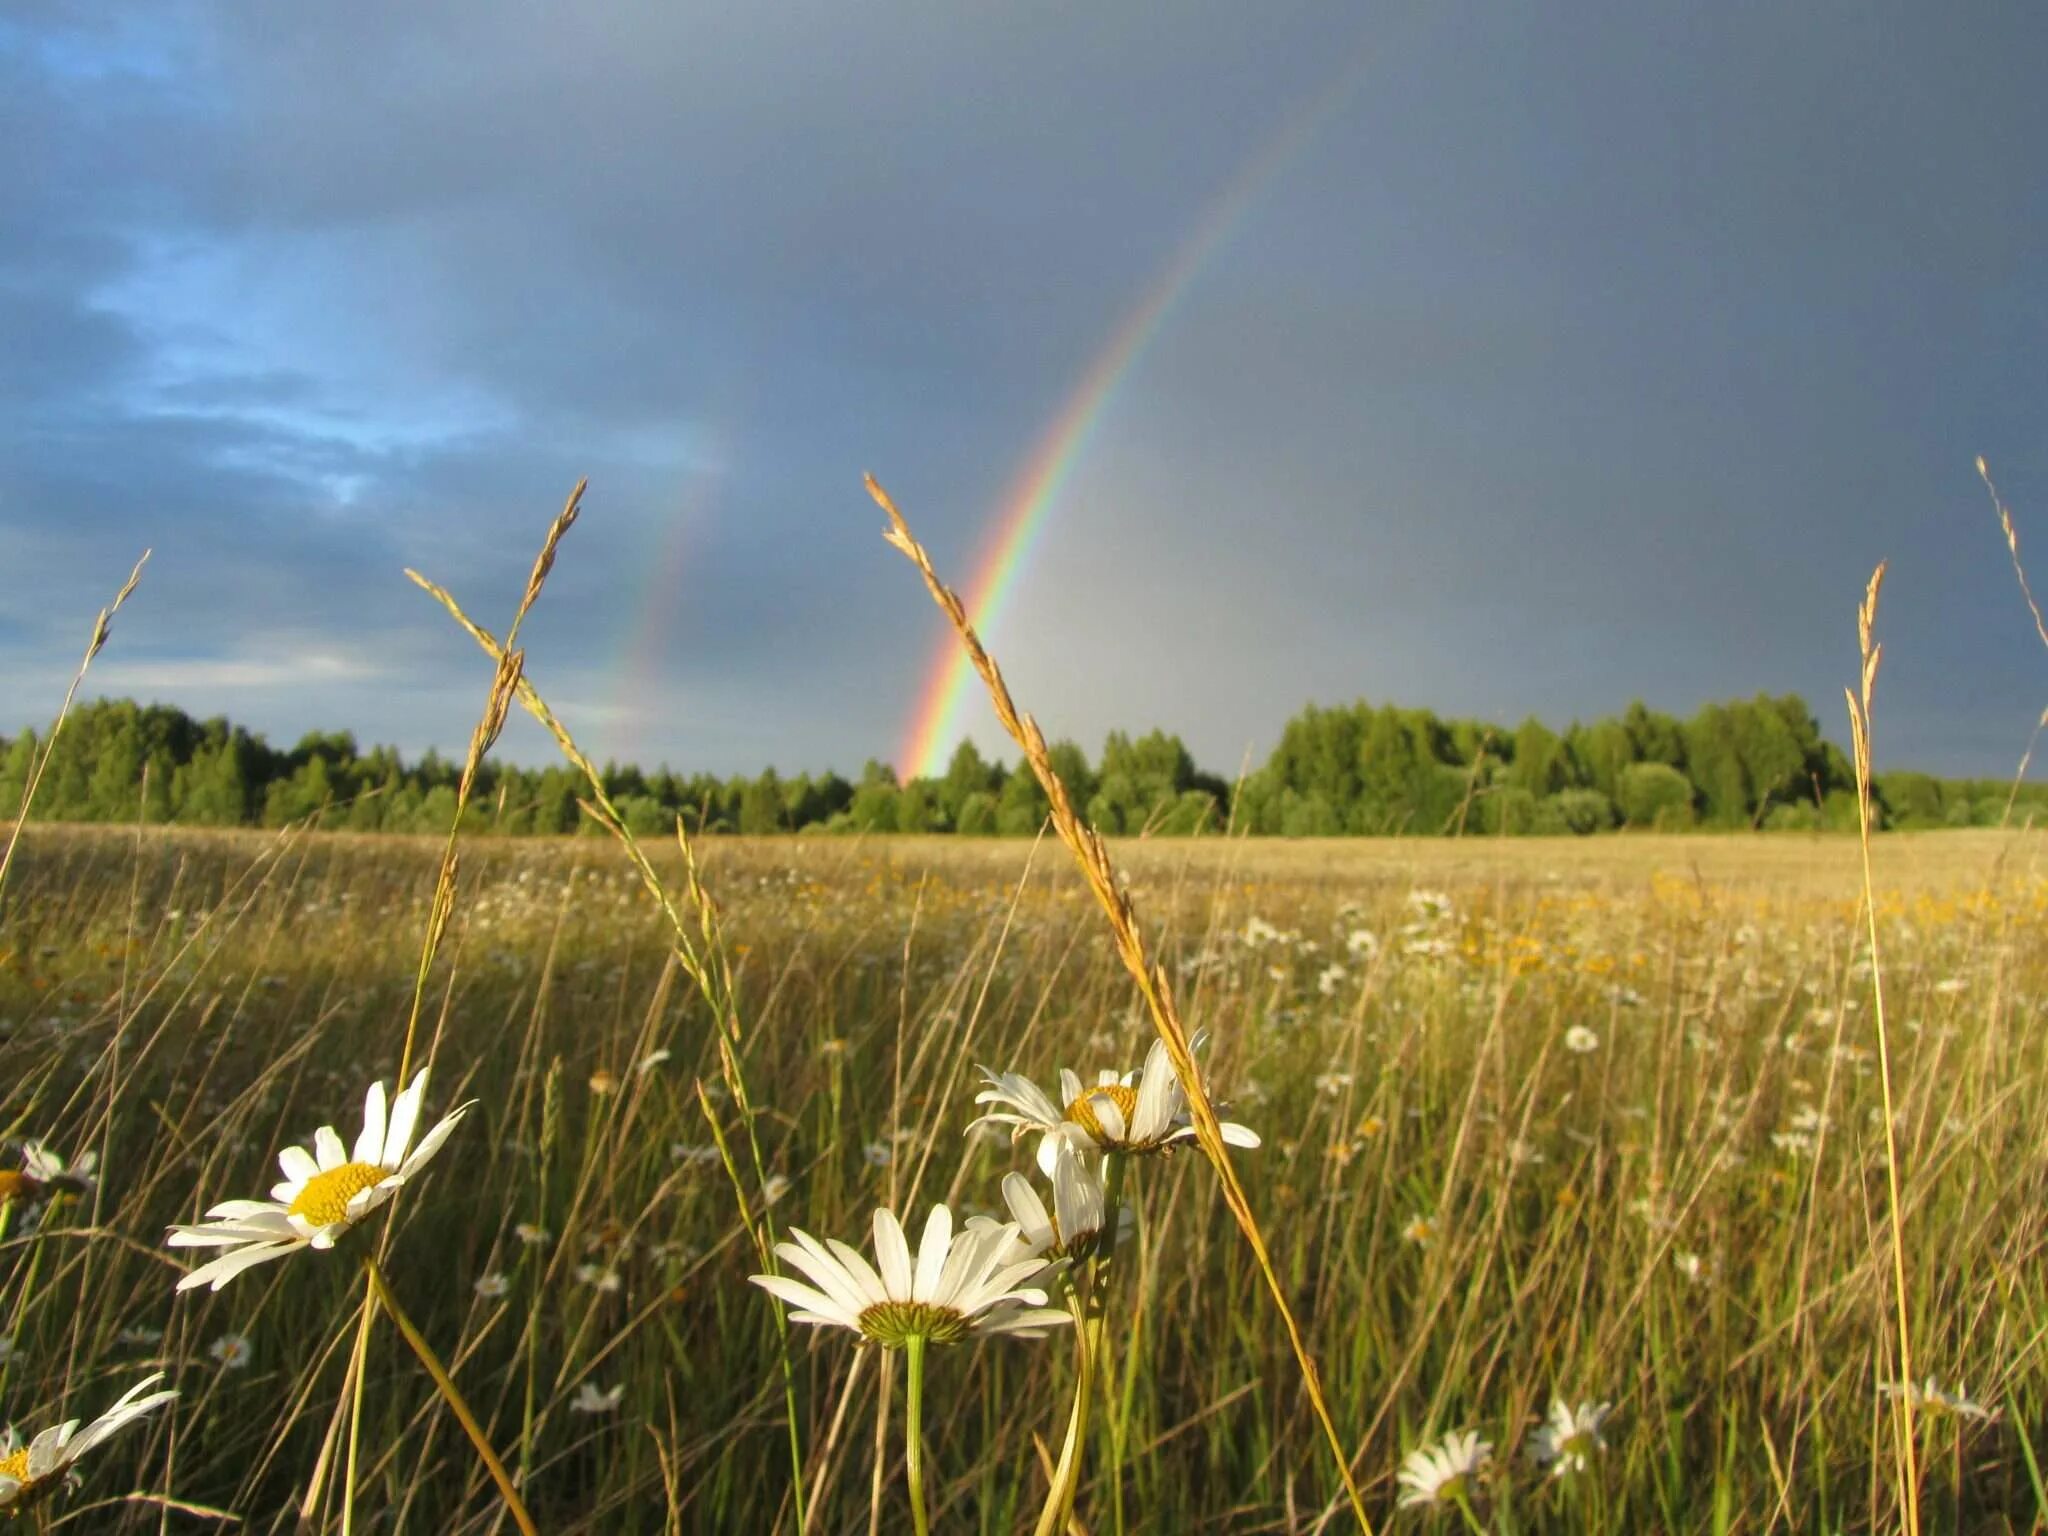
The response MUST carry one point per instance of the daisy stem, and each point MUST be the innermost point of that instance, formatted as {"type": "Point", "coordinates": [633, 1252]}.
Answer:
{"type": "Point", "coordinates": [913, 1431]}
{"type": "Point", "coordinates": [1059, 1498]}
{"type": "Point", "coordinates": [1464, 1503]}
{"type": "Point", "coordinates": [355, 1411]}
{"type": "Point", "coordinates": [445, 1384]}
{"type": "Point", "coordinates": [1098, 1348]}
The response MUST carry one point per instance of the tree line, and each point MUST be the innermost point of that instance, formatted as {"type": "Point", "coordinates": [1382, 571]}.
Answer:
{"type": "Point", "coordinates": [1356, 769]}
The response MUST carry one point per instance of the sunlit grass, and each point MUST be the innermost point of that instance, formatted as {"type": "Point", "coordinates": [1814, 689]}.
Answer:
{"type": "Point", "coordinates": [1686, 1220]}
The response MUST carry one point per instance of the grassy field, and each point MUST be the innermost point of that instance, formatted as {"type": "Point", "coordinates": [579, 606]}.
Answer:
{"type": "Point", "coordinates": [1596, 1120]}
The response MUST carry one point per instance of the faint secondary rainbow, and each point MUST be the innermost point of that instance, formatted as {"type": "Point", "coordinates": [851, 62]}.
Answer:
{"type": "Point", "coordinates": [1035, 490]}
{"type": "Point", "coordinates": [646, 641]}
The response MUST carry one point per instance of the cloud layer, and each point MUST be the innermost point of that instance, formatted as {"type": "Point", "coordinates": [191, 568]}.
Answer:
{"type": "Point", "coordinates": [1575, 358]}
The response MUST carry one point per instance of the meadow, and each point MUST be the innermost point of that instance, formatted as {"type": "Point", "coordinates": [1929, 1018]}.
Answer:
{"type": "Point", "coordinates": [1590, 1120]}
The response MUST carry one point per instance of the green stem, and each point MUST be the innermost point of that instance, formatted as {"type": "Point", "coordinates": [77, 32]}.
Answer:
{"type": "Point", "coordinates": [445, 1384]}
{"type": "Point", "coordinates": [1066, 1480]}
{"type": "Point", "coordinates": [1464, 1502]}
{"type": "Point", "coordinates": [358, 1367]}
{"type": "Point", "coordinates": [913, 1432]}
{"type": "Point", "coordinates": [1112, 1206]}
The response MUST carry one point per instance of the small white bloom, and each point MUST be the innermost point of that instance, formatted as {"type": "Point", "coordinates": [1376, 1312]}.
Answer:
{"type": "Point", "coordinates": [1933, 1400]}
{"type": "Point", "coordinates": [1568, 1439]}
{"type": "Point", "coordinates": [42, 1166]}
{"type": "Point", "coordinates": [1078, 1212]}
{"type": "Point", "coordinates": [530, 1235]}
{"type": "Point", "coordinates": [954, 1289]}
{"type": "Point", "coordinates": [1580, 1040]}
{"type": "Point", "coordinates": [1258, 931]}
{"type": "Point", "coordinates": [589, 1399]}
{"type": "Point", "coordinates": [324, 1192]}
{"type": "Point", "coordinates": [1420, 1230]}
{"type": "Point", "coordinates": [232, 1351]}
{"type": "Point", "coordinates": [599, 1278]}
{"type": "Point", "coordinates": [1139, 1112]}
{"type": "Point", "coordinates": [491, 1286]}
{"type": "Point", "coordinates": [29, 1472]}
{"type": "Point", "coordinates": [1443, 1473]}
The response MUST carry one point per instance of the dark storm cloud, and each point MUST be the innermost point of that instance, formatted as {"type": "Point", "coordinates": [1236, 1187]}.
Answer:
{"type": "Point", "coordinates": [1580, 357]}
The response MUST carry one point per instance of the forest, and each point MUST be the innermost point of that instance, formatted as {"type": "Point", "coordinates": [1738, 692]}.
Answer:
{"type": "Point", "coordinates": [1350, 770]}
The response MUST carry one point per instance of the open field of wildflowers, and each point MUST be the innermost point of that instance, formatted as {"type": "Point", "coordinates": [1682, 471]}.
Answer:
{"type": "Point", "coordinates": [1571, 1167]}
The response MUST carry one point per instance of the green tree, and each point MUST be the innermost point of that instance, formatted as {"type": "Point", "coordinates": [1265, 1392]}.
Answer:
{"type": "Point", "coordinates": [761, 809]}
{"type": "Point", "coordinates": [872, 807]}
{"type": "Point", "coordinates": [966, 774]}
{"type": "Point", "coordinates": [1022, 807]}
{"type": "Point", "coordinates": [977, 816]}
{"type": "Point", "coordinates": [1540, 765]}
{"type": "Point", "coordinates": [918, 808]}
{"type": "Point", "coordinates": [1655, 795]}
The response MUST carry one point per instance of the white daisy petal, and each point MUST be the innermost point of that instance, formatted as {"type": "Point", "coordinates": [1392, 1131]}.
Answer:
{"type": "Point", "coordinates": [892, 1254]}
{"type": "Point", "coordinates": [370, 1144]}
{"type": "Point", "coordinates": [803, 1296]}
{"type": "Point", "coordinates": [932, 1249]}
{"type": "Point", "coordinates": [959, 1284]}
{"type": "Point", "coordinates": [858, 1270]}
{"type": "Point", "coordinates": [328, 1148]}
{"type": "Point", "coordinates": [220, 1271]}
{"type": "Point", "coordinates": [431, 1142]}
{"type": "Point", "coordinates": [405, 1119]}
{"type": "Point", "coordinates": [297, 1164]}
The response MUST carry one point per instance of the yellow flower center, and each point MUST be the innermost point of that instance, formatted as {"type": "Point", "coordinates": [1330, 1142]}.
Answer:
{"type": "Point", "coordinates": [15, 1185]}
{"type": "Point", "coordinates": [15, 1466]}
{"type": "Point", "coordinates": [324, 1200]}
{"type": "Point", "coordinates": [1082, 1110]}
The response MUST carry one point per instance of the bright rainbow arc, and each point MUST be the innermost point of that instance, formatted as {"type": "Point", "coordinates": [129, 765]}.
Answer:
{"type": "Point", "coordinates": [1006, 550]}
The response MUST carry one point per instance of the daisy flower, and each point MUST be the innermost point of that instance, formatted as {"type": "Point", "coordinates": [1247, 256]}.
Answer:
{"type": "Point", "coordinates": [1569, 1437]}
{"type": "Point", "coordinates": [1138, 1112]}
{"type": "Point", "coordinates": [42, 1166]}
{"type": "Point", "coordinates": [1078, 1215]}
{"type": "Point", "coordinates": [31, 1473]}
{"type": "Point", "coordinates": [43, 1172]}
{"type": "Point", "coordinates": [232, 1351]}
{"type": "Point", "coordinates": [589, 1399]}
{"type": "Point", "coordinates": [954, 1289]}
{"type": "Point", "coordinates": [1930, 1398]}
{"type": "Point", "coordinates": [491, 1286]}
{"type": "Point", "coordinates": [1443, 1473]}
{"type": "Point", "coordinates": [1579, 1040]}
{"type": "Point", "coordinates": [324, 1192]}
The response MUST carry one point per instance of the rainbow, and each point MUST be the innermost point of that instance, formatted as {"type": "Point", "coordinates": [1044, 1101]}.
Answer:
{"type": "Point", "coordinates": [646, 641]}
{"type": "Point", "coordinates": [1035, 490]}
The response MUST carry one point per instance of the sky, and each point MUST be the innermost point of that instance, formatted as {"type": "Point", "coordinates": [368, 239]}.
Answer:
{"type": "Point", "coordinates": [1500, 360]}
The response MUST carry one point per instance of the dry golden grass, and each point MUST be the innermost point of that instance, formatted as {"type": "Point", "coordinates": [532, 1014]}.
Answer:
{"type": "Point", "coordinates": [250, 982]}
